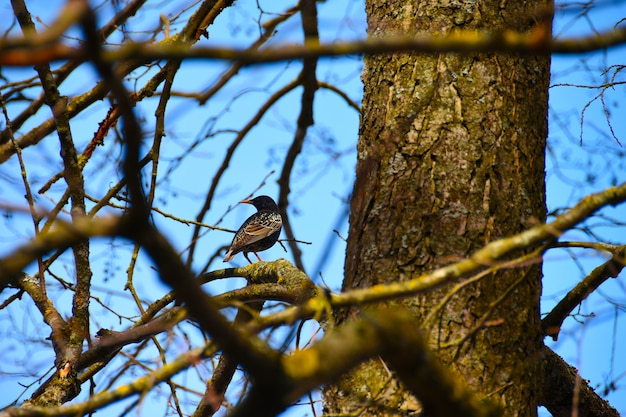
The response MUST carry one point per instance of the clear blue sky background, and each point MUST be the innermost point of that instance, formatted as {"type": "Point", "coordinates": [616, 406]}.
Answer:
{"type": "Point", "coordinates": [581, 159]}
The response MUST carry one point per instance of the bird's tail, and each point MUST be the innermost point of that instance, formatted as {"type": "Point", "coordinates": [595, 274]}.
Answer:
{"type": "Point", "coordinates": [229, 255]}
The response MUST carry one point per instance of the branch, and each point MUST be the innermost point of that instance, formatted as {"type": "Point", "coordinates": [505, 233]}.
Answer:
{"type": "Point", "coordinates": [110, 342]}
{"type": "Point", "coordinates": [58, 325]}
{"type": "Point", "coordinates": [308, 78]}
{"type": "Point", "coordinates": [277, 280]}
{"type": "Point", "coordinates": [79, 323]}
{"type": "Point", "coordinates": [81, 102]}
{"type": "Point", "coordinates": [61, 237]}
{"type": "Point", "coordinates": [63, 72]}
{"type": "Point", "coordinates": [564, 393]}
{"type": "Point", "coordinates": [551, 324]}
{"type": "Point", "coordinates": [225, 370]}
{"type": "Point", "coordinates": [391, 334]}
{"type": "Point", "coordinates": [138, 386]}
{"type": "Point", "coordinates": [490, 254]}
{"type": "Point", "coordinates": [27, 51]}
{"type": "Point", "coordinates": [269, 28]}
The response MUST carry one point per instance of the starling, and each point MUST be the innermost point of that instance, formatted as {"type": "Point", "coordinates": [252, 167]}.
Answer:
{"type": "Point", "coordinates": [259, 232]}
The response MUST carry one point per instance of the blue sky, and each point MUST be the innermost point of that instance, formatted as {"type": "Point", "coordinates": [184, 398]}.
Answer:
{"type": "Point", "coordinates": [323, 175]}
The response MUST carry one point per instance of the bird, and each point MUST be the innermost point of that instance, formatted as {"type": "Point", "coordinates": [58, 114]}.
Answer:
{"type": "Point", "coordinates": [259, 232]}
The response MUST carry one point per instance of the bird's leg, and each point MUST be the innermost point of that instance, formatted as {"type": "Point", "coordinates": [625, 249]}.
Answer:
{"type": "Point", "coordinates": [246, 255]}
{"type": "Point", "coordinates": [258, 257]}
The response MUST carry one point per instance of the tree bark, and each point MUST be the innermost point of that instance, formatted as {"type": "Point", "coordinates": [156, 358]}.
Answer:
{"type": "Point", "coordinates": [450, 157]}
{"type": "Point", "coordinates": [566, 394]}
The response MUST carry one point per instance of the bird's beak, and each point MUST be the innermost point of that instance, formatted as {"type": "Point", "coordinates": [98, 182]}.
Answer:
{"type": "Point", "coordinates": [246, 202]}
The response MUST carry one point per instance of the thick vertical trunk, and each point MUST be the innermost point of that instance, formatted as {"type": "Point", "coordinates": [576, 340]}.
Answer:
{"type": "Point", "coordinates": [450, 157]}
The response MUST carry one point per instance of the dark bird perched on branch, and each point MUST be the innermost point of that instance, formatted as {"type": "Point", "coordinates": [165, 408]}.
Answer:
{"type": "Point", "coordinates": [259, 232]}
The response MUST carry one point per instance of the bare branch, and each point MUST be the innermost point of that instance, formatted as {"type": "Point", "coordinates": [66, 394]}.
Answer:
{"type": "Point", "coordinates": [566, 394]}
{"type": "Point", "coordinates": [391, 334]}
{"type": "Point", "coordinates": [308, 79]}
{"type": "Point", "coordinates": [552, 323]}
{"type": "Point", "coordinates": [19, 52]}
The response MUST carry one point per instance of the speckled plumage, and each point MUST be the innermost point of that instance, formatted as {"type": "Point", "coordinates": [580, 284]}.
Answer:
{"type": "Point", "coordinates": [259, 232]}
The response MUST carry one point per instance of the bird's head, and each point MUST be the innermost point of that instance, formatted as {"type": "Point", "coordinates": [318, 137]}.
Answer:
{"type": "Point", "coordinates": [262, 202]}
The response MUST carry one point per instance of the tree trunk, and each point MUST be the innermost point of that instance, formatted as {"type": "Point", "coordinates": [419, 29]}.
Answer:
{"type": "Point", "coordinates": [450, 157]}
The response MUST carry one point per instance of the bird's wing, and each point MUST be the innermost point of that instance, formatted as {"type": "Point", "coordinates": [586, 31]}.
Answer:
{"type": "Point", "coordinates": [262, 227]}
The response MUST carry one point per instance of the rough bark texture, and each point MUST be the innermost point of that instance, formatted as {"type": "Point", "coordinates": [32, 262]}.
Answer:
{"type": "Point", "coordinates": [450, 157]}
{"type": "Point", "coordinates": [566, 394]}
